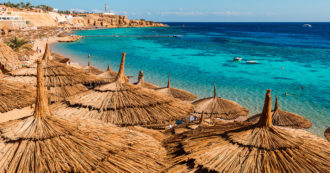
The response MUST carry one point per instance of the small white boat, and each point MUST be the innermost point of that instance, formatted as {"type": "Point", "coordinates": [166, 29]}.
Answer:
{"type": "Point", "coordinates": [307, 26]}
{"type": "Point", "coordinates": [237, 59]}
{"type": "Point", "coordinates": [251, 62]}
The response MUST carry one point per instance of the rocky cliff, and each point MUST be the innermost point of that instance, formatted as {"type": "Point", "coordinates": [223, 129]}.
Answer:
{"type": "Point", "coordinates": [109, 21]}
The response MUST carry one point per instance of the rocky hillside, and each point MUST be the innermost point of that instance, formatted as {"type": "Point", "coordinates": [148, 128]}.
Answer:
{"type": "Point", "coordinates": [108, 21]}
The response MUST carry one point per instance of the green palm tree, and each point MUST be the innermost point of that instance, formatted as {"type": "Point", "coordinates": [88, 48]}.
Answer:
{"type": "Point", "coordinates": [18, 44]}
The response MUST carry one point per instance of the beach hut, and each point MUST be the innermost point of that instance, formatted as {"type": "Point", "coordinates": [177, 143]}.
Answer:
{"type": "Point", "coordinates": [144, 84]}
{"type": "Point", "coordinates": [92, 69]}
{"type": "Point", "coordinates": [176, 93]}
{"type": "Point", "coordinates": [124, 104]}
{"type": "Point", "coordinates": [217, 107]}
{"type": "Point", "coordinates": [42, 142]}
{"type": "Point", "coordinates": [247, 147]}
{"type": "Point", "coordinates": [327, 134]}
{"type": "Point", "coordinates": [286, 119]}
{"type": "Point", "coordinates": [8, 59]}
{"type": "Point", "coordinates": [61, 80]}
{"type": "Point", "coordinates": [15, 95]}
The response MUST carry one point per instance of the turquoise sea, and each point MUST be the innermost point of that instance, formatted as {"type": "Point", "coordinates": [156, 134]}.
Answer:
{"type": "Point", "coordinates": [292, 58]}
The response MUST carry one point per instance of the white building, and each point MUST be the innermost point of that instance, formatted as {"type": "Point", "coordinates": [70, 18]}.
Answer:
{"type": "Point", "coordinates": [13, 22]}
{"type": "Point", "coordinates": [107, 10]}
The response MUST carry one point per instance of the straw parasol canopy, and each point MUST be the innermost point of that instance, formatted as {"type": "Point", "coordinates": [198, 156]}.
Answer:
{"type": "Point", "coordinates": [327, 133]}
{"type": "Point", "coordinates": [61, 80]}
{"type": "Point", "coordinates": [92, 69]}
{"type": "Point", "coordinates": [176, 93]}
{"type": "Point", "coordinates": [247, 147]}
{"type": "Point", "coordinates": [124, 104]}
{"type": "Point", "coordinates": [218, 107]}
{"type": "Point", "coordinates": [144, 84]}
{"type": "Point", "coordinates": [8, 59]}
{"type": "Point", "coordinates": [109, 76]}
{"type": "Point", "coordinates": [15, 95]}
{"type": "Point", "coordinates": [286, 119]}
{"type": "Point", "coordinates": [45, 143]}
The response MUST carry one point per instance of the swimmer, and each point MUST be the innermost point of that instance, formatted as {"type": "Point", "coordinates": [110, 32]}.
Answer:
{"type": "Point", "coordinates": [286, 93]}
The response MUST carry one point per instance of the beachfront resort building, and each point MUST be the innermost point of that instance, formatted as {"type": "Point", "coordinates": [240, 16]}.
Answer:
{"type": "Point", "coordinates": [12, 22]}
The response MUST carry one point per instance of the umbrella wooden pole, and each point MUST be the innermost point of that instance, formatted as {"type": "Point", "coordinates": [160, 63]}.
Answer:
{"type": "Point", "coordinates": [89, 60]}
{"type": "Point", "coordinates": [201, 121]}
{"type": "Point", "coordinates": [168, 81]}
{"type": "Point", "coordinates": [276, 105]}
{"type": "Point", "coordinates": [121, 73]}
{"type": "Point", "coordinates": [215, 91]}
{"type": "Point", "coordinates": [41, 107]}
{"type": "Point", "coordinates": [266, 117]}
{"type": "Point", "coordinates": [46, 53]}
{"type": "Point", "coordinates": [141, 76]}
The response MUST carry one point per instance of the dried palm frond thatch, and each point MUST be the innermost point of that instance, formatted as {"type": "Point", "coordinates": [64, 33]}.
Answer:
{"type": "Point", "coordinates": [45, 143]}
{"type": "Point", "coordinates": [15, 95]}
{"type": "Point", "coordinates": [144, 84]}
{"type": "Point", "coordinates": [285, 119]}
{"type": "Point", "coordinates": [109, 76]}
{"type": "Point", "coordinates": [176, 93]}
{"type": "Point", "coordinates": [247, 147]}
{"type": "Point", "coordinates": [327, 133]}
{"type": "Point", "coordinates": [93, 70]}
{"type": "Point", "coordinates": [124, 104]}
{"type": "Point", "coordinates": [62, 80]}
{"type": "Point", "coordinates": [218, 107]}
{"type": "Point", "coordinates": [8, 59]}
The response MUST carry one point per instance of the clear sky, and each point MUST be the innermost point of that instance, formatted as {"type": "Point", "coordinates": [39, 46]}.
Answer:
{"type": "Point", "coordinates": [204, 10]}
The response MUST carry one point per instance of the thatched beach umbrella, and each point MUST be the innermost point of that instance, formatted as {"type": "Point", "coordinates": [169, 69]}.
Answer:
{"type": "Point", "coordinates": [286, 119]}
{"type": "Point", "coordinates": [44, 143]}
{"type": "Point", "coordinates": [108, 76]}
{"type": "Point", "coordinates": [8, 59]}
{"type": "Point", "coordinates": [15, 95]}
{"type": "Point", "coordinates": [176, 93]}
{"type": "Point", "coordinates": [92, 69]}
{"type": "Point", "coordinates": [124, 104]}
{"type": "Point", "coordinates": [247, 147]}
{"type": "Point", "coordinates": [144, 84]}
{"type": "Point", "coordinates": [327, 133]}
{"type": "Point", "coordinates": [61, 80]}
{"type": "Point", "coordinates": [218, 107]}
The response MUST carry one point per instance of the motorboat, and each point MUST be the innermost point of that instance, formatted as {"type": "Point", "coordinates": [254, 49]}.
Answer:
{"type": "Point", "coordinates": [251, 62]}
{"type": "Point", "coordinates": [237, 59]}
{"type": "Point", "coordinates": [307, 26]}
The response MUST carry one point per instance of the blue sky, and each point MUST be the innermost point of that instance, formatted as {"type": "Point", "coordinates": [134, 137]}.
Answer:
{"type": "Point", "coordinates": [204, 10]}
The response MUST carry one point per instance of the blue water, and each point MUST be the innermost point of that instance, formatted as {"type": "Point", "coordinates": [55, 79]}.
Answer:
{"type": "Point", "coordinates": [289, 55]}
